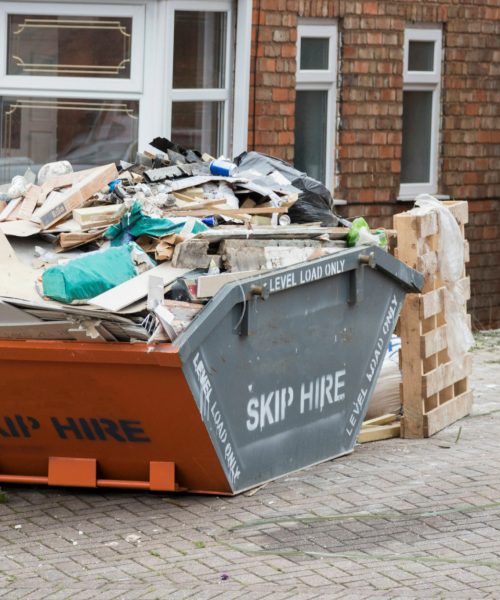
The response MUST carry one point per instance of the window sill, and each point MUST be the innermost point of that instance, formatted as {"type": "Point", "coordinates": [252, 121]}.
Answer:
{"type": "Point", "coordinates": [411, 197]}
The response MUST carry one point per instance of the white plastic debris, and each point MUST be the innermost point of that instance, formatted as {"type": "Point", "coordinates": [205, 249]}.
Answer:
{"type": "Point", "coordinates": [53, 169]}
{"type": "Point", "coordinates": [18, 187]}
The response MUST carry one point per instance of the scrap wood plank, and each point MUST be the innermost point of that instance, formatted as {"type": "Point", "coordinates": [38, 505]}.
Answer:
{"type": "Point", "coordinates": [77, 195]}
{"type": "Point", "coordinates": [190, 195]}
{"type": "Point", "coordinates": [10, 208]}
{"type": "Point", "coordinates": [209, 285]}
{"type": "Point", "coordinates": [136, 288]}
{"type": "Point", "coordinates": [31, 198]}
{"type": "Point", "coordinates": [65, 180]}
{"type": "Point", "coordinates": [13, 216]}
{"type": "Point", "coordinates": [449, 412]}
{"type": "Point", "coordinates": [379, 432]}
{"type": "Point", "coordinates": [94, 216]}
{"type": "Point", "coordinates": [67, 241]}
{"type": "Point", "coordinates": [231, 212]}
{"type": "Point", "coordinates": [194, 205]}
{"type": "Point", "coordinates": [269, 232]}
{"type": "Point", "coordinates": [382, 420]}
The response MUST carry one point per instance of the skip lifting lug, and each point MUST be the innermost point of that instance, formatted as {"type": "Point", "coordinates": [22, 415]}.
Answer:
{"type": "Point", "coordinates": [368, 259]}
{"type": "Point", "coordinates": [248, 323]}
{"type": "Point", "coordinates": [260, 290]}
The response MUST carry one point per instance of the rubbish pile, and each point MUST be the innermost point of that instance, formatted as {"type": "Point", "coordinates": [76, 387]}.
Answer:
{"type": "Point", "coordinates": [134, 252]}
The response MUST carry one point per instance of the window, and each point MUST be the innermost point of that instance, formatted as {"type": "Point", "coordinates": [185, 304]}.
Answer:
{"type": "Point", "coordinates": [92, 82]}
{"type": "Point", "coordinates": [199, 76]}
{"type": "Point", "coordinates": [421, 102]}
{"type": "Point", "coordinates": [69, 79]}
{"type": "Point", "coordinates": [315, 100]}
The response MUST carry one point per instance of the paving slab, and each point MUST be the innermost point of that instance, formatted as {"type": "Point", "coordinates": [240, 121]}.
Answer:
{"type": "Point", "coordinates": [395, 519]}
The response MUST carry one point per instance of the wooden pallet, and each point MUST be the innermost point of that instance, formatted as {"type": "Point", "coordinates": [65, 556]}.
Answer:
{"type": "Point", "coordinates": [435, 390]}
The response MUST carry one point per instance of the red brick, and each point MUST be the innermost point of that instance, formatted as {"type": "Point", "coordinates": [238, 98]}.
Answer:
{"type": "Point", "coordinates": [281, 94]}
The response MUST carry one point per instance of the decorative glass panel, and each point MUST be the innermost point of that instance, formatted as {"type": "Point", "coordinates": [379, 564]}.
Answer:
{"type": "Point", "coordinates": [314, 53]}
{"type": "Point", "coordinates": [69, 46]}
{"type": "Point", "coordinates": [311, 118]}
{"type": "Point", "coordinates": [197, 125]}
{"type": "Point", "coordinates": [420, 56]}
{"type": "Point", "coordinates": [417, 124]}
{"type": "Point", "coordinates": [34, 131]}
{"type": "Point", "coordinates": [199, 49]}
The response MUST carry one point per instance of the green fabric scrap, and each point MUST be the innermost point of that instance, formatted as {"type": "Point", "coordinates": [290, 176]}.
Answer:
{"type": "Point", "coordinates": [134, 224]}
{"type": "Point", "coordinates": [90, 275]}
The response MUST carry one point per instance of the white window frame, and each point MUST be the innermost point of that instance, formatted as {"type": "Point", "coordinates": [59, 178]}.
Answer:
{"type": "Point", "coordinates": [425, 81]}
{"type": "Point", "coordinates": [321, 80]}
{"type": "Point", "coordinates": [222, 94]}
{"type": "Point", "coordinates": [151, 56]}
{"type": "Point", "coordinates": [58, 84]}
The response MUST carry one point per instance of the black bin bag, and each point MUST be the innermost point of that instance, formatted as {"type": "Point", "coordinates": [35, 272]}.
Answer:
{"type": "Point", "coordinates": [315, 203]}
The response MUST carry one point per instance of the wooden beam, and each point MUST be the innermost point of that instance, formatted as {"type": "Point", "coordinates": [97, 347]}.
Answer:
{"type": "Point", "coordinates": [382, 420]}
{"type": "Point", "coordinates": [379, 432]}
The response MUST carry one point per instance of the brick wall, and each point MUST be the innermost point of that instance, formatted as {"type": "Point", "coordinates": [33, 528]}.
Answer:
{"type": "Point", "coordinates": [368, 140]}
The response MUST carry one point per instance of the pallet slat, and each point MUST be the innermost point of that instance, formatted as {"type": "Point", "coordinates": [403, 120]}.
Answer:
{"type": "Point", "coordinates": [445, 375]}
{"type": "Point", "coordinates": [434, 341]}
{"type": "Point", "coordinates": [432, 303]}
{"type": "Point", "coordinates": [447, 413]}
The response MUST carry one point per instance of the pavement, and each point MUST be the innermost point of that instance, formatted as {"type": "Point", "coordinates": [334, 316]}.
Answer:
{"type": "Point", "coordinates": [395, 519]}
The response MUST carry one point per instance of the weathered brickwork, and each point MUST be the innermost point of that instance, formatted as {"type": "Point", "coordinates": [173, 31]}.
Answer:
{"type": "Point", "coordinates": [369, 110]}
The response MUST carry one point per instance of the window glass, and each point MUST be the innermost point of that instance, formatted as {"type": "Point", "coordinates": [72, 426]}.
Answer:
{"type": "Point", "coordinates": [198, 125]}
{"type": "Point", "coordinates": [420, 56]}
{"type": "Point", "coordinates": [314, 53]}
{"type": "Point", "coordinates": [310, 132]}
{"type": "Point", "coordinates": [67, 46]}
{"type": "Point", "coordinates": [34, 131]}
{"type": "Point", "coordinates": [417, 123]}
{"type": "Point", "coordinates": [199, 49]}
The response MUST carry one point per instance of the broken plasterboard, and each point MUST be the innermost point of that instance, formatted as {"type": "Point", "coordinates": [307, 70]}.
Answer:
{"type": "Point", "coordinates": [134, 289]}
{"type": "Point", "coordinates": [16, 280]}
{"type": "Point", "coordinates": [45, 330]}
{"type": "Point", "coordinates": [239, 255]}
{"type": "Point", "coordinates": [175, 316]}
{"type": "Point", "coordinates": [10, 315]}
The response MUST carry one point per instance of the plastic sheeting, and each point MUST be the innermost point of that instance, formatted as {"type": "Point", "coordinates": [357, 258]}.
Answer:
{"type": "Point", "coordinates": [450, 269]}
{"type": "Point", "coordinates": [135, 223]}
